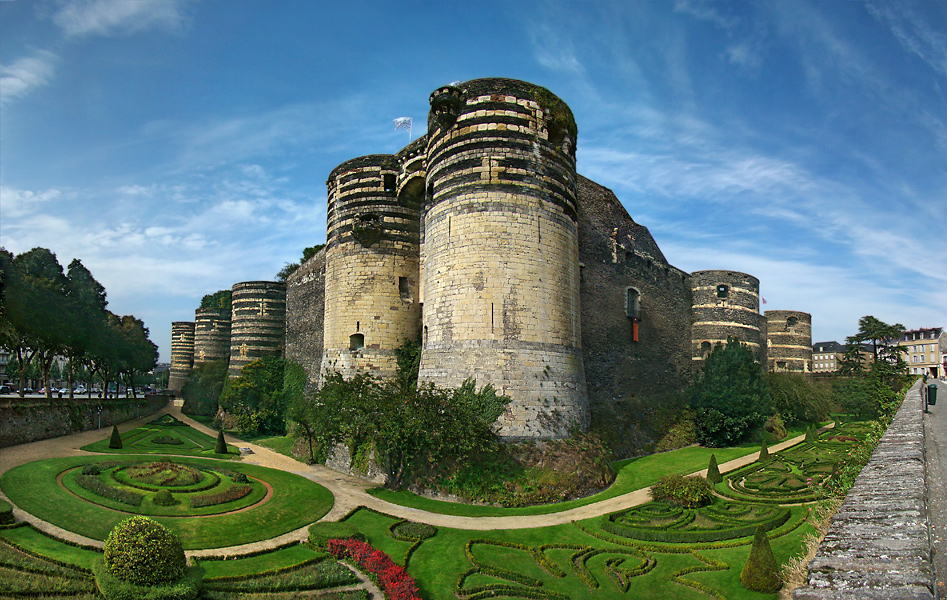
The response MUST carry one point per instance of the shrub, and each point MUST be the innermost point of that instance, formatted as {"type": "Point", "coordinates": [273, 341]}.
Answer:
{"type": "Point", "coordinates": [812, 435]}
{"type": "Point", "coordinates": [98, 487]}
{"type": "Point", "coordinates": [91, 469]}
{"type": "Point", "coordinates": [143, 552]}
{"type": "Point", "coordinates": [231, 494]}
{"type": "Point", "coordinates": [797, 399]}
{"type": "Point", "coordinates": [163, 498]}
{"type": "Point", "coordinates": [185, 588]}
{"type": "Point", "coordinates": [730, 396]}
{"type": "Point", "coordinates": [713, 471]}
{"type": "Point", "coordinates": [412, 530]}
{"type": "Point", "coordinates": [761, 572]}
{"type": "Point", "coordinates": [221, 446]}
{"type": "Point", "coordinates": [115, 443]}
{"type": "Point", "coordinates": [393, 579]}
{"type": "Point", "coordinates": [764, 452]}
{"type": "Point", "coordinates": [321, 533]}
{"type": "Point", "coordinates": [6, 513]}
{"type": "Point", "coordinates": [689, 492]}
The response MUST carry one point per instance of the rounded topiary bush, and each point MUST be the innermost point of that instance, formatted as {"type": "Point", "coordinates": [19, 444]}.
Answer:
{"type": "Point", "coordinates": [144, 552]}
{"type": "Point", "coordinates": [163, 498]}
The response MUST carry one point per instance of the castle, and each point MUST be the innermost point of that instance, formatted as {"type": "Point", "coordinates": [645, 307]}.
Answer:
{"type": "Point", "coordinates": [481, 239]}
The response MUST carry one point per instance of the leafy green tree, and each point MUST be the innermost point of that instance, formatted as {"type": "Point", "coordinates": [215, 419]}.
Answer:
{"type": "Point", "coordinates": [290, 268]}
{"type": "Point", "coordinates": [876, 331]}
{"type": "Point", "coordinates": [202, 388]}
{"type": "Point", "coordinates": [89, 300]}
{"type": "Point", "coordinates": [797, 399]}
{"type": "Point", "coordinates": [221, 300]}
{"type": "Point", "coordinates": [255, 398]}
{"type": "Point", "coordinates": [729, 397]}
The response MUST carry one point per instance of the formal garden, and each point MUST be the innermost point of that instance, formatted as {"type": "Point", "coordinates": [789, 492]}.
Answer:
{"type": "Point", "coordinates": [166, 488]}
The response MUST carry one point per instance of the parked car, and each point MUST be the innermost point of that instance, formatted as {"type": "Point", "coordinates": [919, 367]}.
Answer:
{"type": "Point", "coordinates": [5, 389]}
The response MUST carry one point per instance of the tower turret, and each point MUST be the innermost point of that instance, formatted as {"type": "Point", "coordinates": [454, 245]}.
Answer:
{"type": "Point", "coordinates": [726, 305]}
{"type": "Point", "coordinates": [500, 252]}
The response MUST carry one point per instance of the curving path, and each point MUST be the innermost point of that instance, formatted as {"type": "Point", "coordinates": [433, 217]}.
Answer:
{"type": "Point", "coordinates": [349, 492]}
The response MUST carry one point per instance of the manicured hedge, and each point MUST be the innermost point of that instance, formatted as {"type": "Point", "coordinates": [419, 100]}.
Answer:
{"type": "Point", "coordinates": [6, 513]}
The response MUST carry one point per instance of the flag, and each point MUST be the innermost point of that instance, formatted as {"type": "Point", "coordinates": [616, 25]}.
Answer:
{"type": "Point", "coordinates": [764, 300]}
{"type": "Point", "coordinates": [404, 123]}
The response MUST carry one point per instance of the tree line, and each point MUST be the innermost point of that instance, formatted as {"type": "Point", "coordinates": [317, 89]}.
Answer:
{"type": "Point", "coordinates": [46, 311]}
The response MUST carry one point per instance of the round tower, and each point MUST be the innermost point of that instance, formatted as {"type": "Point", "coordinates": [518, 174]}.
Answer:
{"type": "Point", "coordinates": [182, 354]}
{"type": "Point", "coordinates": [371, 269]}
{"type": "Point", "coordinates": [211, 335]}
{"type": "Point", "coordinates": [788, 341]}
{"type": "Point", "coordinates": [258, 322]}
{"type": "Point", "coordinates": [500, 253]}
{"type": "Point", "coordinates": [726, 305]}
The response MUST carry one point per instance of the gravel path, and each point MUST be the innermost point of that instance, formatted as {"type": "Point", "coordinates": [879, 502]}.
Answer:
{"type": "Point", "coordinates": [349, 492]}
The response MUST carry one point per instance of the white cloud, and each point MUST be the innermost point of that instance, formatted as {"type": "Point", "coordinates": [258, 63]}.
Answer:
{"type": "Point", "coordinates": [704, 11]}
{"type": "Point", "coordinates": [17, 203]}
{"type": "Point", "coordinates": [118, 17]}
{"type": "Point", "coordinates": [25, 74]}
{"type": "Point", "coordinates": [554, 51]}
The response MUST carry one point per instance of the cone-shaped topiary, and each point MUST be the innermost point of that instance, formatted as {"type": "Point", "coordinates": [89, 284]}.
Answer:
{"type": "Point", "coordinates": [812, 435]}
{"type": "Point", "coordinates": [116, 442]}
{"type": "Point", "coordinates": [221, 446]}
{"type": "Point", "coordinates": [144, 552]}
{"type": "Point", "coordinates": [764, 451]}
{"type": "Point", "coordinates": [761, 572]}
{"type": "Point", "coordinates": [713, 471]}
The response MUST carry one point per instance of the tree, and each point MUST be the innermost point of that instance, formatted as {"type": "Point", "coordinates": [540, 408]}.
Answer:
{"type": "Point", "coordinates": [202, 389]}
{"type": "Point", "coordinates": [255, 397]}
{"type": "Point", "coordinates": [729, 396]}
{"type": "Point", "coordinates": [876, 331]}
{"type": "Point", "coordinates": [291, 267]}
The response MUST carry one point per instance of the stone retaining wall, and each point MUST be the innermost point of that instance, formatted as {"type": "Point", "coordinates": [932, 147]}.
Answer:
{"type": "Point", "coordinates": [879, 543]}
{"type": "Point", "coordinates": [29, 420]}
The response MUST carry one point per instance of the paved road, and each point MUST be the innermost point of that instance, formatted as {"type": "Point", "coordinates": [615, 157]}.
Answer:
{"type": "Point", "coordinates": [935, 442]}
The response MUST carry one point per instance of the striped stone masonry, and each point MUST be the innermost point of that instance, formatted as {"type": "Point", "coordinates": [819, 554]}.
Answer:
{"type": "Point", "coordinates": [258, 322]}
{"type": "Point", "coordinates": [182, 354]}
{"type": "Point", "coordinates": [211, 335]}
{"type": "Point", "coordinates": [788, 341]}
{"type": "Point", "coordinates": [879, 543]}
{"type": "Point", "coordinates": [726, 305]}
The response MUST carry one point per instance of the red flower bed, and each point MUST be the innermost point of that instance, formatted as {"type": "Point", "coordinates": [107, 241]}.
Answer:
{"type": "Point", "coordinates": [394, 580]}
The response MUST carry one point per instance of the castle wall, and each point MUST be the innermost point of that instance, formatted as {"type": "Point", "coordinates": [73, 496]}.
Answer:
{"type": "Point", "coordinates": [182, 354]}
{"type": "Point", "coordinates": [371, 268]}
{"type": "Point", "coordinates": [788, 341]}
{"type": "Point", "coordinates": [258, 322]}
{"type": "Point", "coordinates": [305, 315]}
{"type": "Point", "coordinates": [621, 263]}
{"type": "Point", "coordinates": [726, 304]}
{"type": "Point", "coordinates": [211, 335]}
{"type": "Point", "coordinates": [501, 280]}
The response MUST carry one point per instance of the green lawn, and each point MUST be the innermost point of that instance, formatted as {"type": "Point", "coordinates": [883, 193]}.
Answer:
{"type": "Point", "coordinates": [285, 558]}
{"type": "Point", "coordinates": [164, 439]}
{"type": "Point", "coordinates": [296, 502]}
{"type": "Point", "coordinates": [440, 562]}
{"type": "Point", "coordinates": [37, 543]}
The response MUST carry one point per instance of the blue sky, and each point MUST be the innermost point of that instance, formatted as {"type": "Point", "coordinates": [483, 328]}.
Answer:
{"type": "Point", "coordinates": [179, 147]}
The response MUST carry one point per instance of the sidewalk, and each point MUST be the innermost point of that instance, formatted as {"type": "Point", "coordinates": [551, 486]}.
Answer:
{"type": "Point", "coordinates": [935, 446]}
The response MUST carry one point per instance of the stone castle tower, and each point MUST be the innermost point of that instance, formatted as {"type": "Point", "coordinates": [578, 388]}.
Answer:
{"type": "Point", "coordinates": [788, 341]}
{"type": "Point", "coordinates": [211, 335]}
{"type": "Point", "coordinates": [257, 322]}
{"type": "Point", "coordinates": [182, 354]}
{"type": "Point", "coordinates": [726, 305]}
{"type": "Point", "coordinates": [371, 267]}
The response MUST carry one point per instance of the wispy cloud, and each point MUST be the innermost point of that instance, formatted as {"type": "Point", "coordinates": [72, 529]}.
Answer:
{"type": "Point", "coordinates": [16, 203]}
{"type": "Point", "coordinates": [706, 11]}
{"type": "Point", "coordinates": [26, 74]}
{"type": "Point", "coordinates": [119, 17]}
{"type": "Point", "coordinates": [913, 33]}
{"type": "Point", "coordinates": [554, 51]}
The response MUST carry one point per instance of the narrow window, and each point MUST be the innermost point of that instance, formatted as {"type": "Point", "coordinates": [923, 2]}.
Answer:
{"type": "Point", "coordinates": [723, 290]}
{"type": "Point", "coordinates": [632, 303]}
{"type": "Point", "coordinates": [389, 182]}
{"type": "Point", "coordinates": [791, 323]}
{"type": "Point", "coordinates": [404, 289]}
{"type": "Point", "coordinates": [704, 349]}
{"type": "Point", "coordinates": [356, 341]}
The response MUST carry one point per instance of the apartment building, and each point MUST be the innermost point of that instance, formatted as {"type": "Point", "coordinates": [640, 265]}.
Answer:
{"type": "Point", "coordinates": [926, 351]}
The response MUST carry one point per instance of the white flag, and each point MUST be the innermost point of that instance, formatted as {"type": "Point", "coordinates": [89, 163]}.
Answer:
{"type": "Point", "coordinates": [403, 123]}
